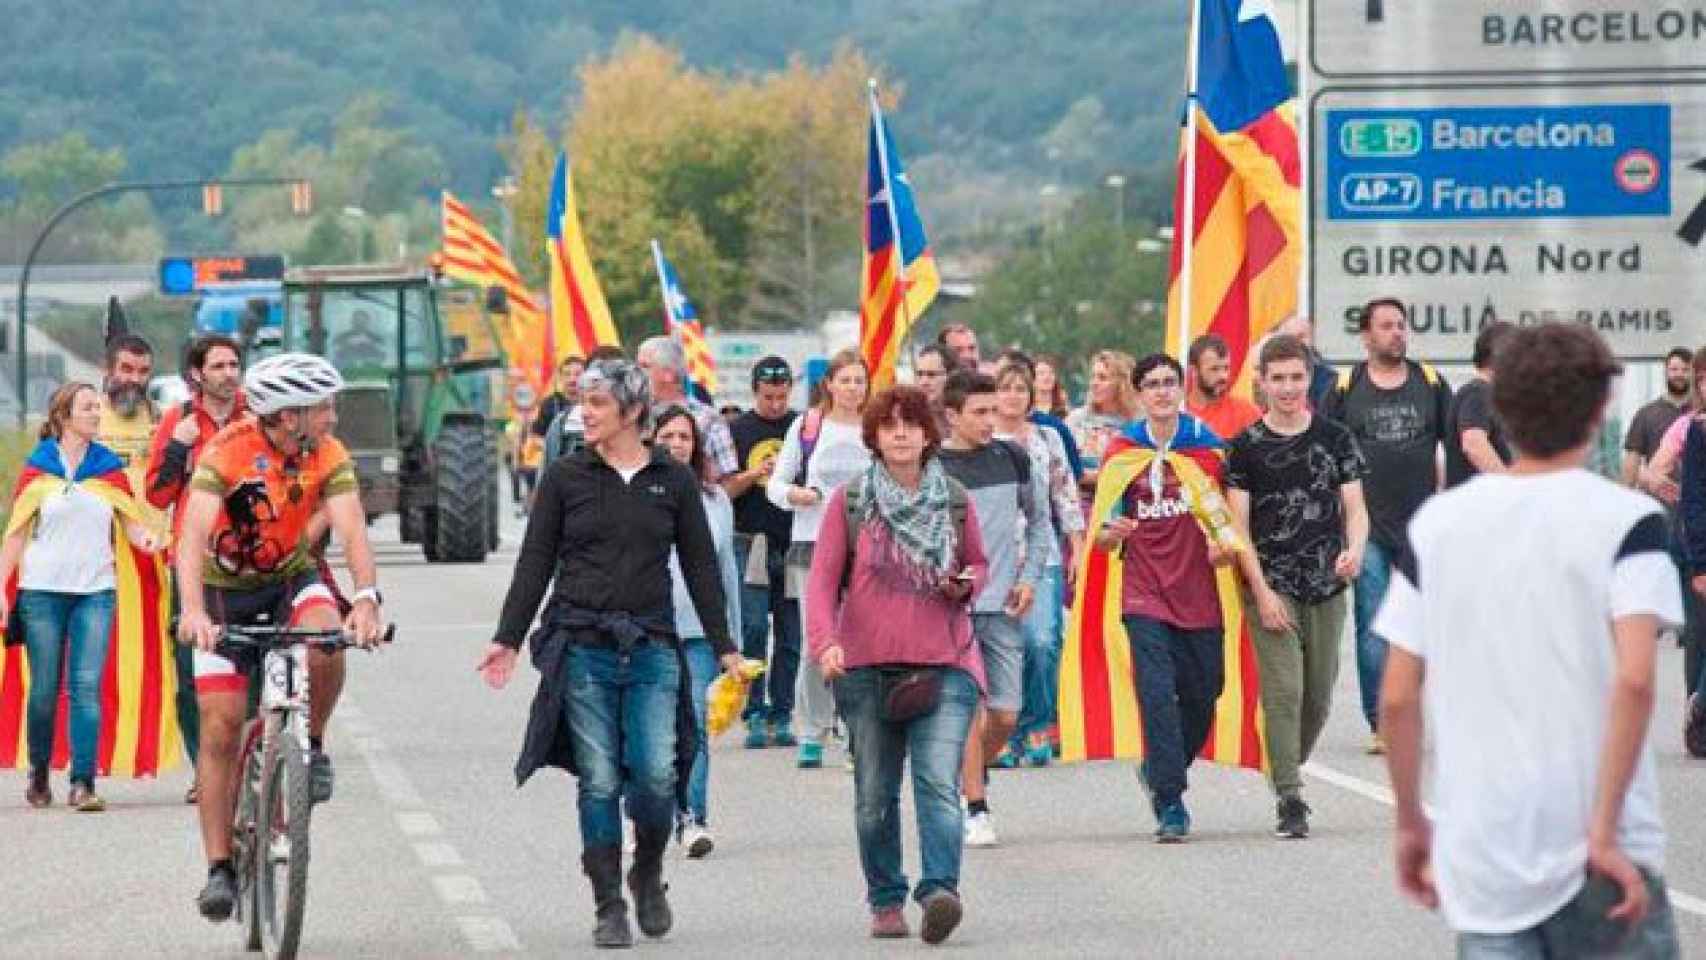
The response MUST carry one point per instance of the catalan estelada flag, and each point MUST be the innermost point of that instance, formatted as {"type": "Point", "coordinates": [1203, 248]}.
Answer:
{"type": "Point", "coordinates": [681, 321]}
{"type": "Point", "coordinates": [139, 729]}
{"type": "Point", "coordinates": [472, 254]}
{"type": "Point", "coordinates": [1242, 221]}
{"type": "Point", "coordinates": [898, 278]}
{"type": "Point", "coordinates": [1099, 714]}
{"type": "Point", "coordinates": [580, 319]}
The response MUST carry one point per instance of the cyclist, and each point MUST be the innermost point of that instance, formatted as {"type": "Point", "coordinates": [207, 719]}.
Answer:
{"type": "Point", "coordinates": [244, 557]}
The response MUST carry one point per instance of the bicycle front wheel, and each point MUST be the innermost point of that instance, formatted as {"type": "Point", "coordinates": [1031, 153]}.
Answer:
{"type": "Point", "coordinates": [245, 832]}
{"type": "Point", "coordinates": [281, 890]}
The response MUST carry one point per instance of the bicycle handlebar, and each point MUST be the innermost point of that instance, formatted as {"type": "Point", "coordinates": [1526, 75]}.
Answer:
{"type": "Point", "coordinates": [267, 637]}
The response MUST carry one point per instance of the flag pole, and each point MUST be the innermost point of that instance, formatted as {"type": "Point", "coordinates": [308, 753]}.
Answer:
{"type": "Point", "coordinates": [663, 288]}
{"type": "Point", "coordinates": [882, 139]}
{"type": "Point", "coordinates": [1187, 224]}
{"type": "Point", "coordinates": [1305, 168]}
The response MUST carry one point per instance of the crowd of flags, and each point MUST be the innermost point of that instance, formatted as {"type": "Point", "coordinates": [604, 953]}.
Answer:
{"type": "Point", "coordinates": [1234, 266]}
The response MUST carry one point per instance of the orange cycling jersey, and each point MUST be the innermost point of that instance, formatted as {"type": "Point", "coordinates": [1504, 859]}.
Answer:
{"type": "Point", "coordinates": [268, 498]}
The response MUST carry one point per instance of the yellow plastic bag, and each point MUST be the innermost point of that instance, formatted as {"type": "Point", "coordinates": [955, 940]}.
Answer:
{"type": "Point", "coordinates": [726, 698]}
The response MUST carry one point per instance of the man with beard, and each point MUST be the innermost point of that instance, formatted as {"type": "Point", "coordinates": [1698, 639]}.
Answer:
{"type": "Point", "coordinates": [127, 415]}
{"type": "Point", "coordinates": [1652, 420]}
{"type": "Point", "coordinates": [1397, 410]}
{"type": "Point", "coordinates": [213, 367]}
{"type": "Point", "coordinates": [960, 341]}
{"type": "Point", "coordinates": [1211, 399]}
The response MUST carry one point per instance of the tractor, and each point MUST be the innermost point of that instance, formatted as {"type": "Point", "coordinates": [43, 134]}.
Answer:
{"type": "Point", "coordinates": [421, 361]}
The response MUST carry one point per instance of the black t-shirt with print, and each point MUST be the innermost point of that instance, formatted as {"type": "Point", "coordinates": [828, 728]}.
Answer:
{"type": "Point", "coordinates": [756, 438]}
{"type": "Point", "coordinates": [1471, 409]}
{"type": "Point", "coordinates": [1398, 432]}
{"type": "Point", "coordinates": [1297, 518]}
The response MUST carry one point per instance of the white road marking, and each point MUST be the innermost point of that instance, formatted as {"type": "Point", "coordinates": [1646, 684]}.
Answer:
{"type": "Point", "coordinates": [417, 824]}
{"type": "Point", "coordinates": [437, 853]}
{"type": "Point", "coordinates": [1380, 793]}
{"type": "Point", "coordinates": [486, 627]}
{"type": "Point", "coordinates": [488, 934]}
{"type": "Point", "coordinates": [459, 889]}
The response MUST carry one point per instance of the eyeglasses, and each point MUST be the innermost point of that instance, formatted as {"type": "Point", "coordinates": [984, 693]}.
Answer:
{"type": "Point", "coordinates": [1169, 383]}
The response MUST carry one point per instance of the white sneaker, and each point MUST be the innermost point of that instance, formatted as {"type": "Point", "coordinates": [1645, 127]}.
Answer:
{"type": "Point", "coordinates": [697, 841]}
{"type": "Point", "coordinates": [980, 830]}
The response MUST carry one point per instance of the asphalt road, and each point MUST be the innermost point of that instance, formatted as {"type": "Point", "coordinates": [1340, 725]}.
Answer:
{"type": "Point", "coordinates": [428, 849]}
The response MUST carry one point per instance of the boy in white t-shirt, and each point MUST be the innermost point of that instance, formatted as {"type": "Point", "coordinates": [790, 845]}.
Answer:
{"type": "Point", "coordinates": [1523, 620]}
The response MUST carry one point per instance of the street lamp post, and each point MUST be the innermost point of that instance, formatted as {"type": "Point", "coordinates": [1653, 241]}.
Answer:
{"type": "Point", "coordinates": [70, 206]}
{"type": "Point", "coordinates": [502, 192]}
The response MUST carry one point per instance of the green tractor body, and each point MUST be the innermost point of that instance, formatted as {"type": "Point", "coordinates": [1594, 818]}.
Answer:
{"type": "Point", "coordinates": [420, 361]}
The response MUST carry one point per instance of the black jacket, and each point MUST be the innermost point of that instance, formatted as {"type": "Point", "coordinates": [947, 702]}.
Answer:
{"type": "Point", "coordinates": [608, 542]}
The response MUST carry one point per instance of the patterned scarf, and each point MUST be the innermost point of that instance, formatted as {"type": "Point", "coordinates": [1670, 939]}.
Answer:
{"type": "Point", "coordinates": [919, 523]}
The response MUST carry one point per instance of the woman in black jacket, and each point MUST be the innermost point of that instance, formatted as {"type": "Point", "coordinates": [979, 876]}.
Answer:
{"type": "Point", "coordinates": [611, 696]}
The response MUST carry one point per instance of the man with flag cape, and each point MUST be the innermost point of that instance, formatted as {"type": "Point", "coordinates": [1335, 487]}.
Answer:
{"type": "Point", "coordinates": [138, 732]}
{"type": "Point", "coordinates": [1158, 665]}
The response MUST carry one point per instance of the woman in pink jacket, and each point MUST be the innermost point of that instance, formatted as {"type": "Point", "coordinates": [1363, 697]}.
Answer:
{"type": "Point", "coordinates": [897, 558]}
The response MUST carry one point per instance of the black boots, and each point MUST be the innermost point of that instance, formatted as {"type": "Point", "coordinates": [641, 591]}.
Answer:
{"type": "Point", "coordinates": [603, 866]}
{"type": "Point", "coordinates": [645, 879]}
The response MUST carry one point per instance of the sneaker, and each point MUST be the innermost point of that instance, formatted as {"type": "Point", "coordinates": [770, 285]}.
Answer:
{"type": "Point", "coordinates": [39, 793]}
{"type": "Point", "coordinates": [1376, 745]}
{"type": "Point", "coordinates": [84, 799]}
{"type": "Point", "coordinates": [756, 737]}
{"type": "Point", "coordinates": [1007, 759]}
{"type": "Point", "coordinates": [1175, 823]}
{"type": "Point", "coordinates": [889, 923]}
{"type": "Point", "coordinates": [279, 848]}
{"type": "Point", "coordinates": [219, 898]}
{"type": "Point", "coordinates": [1038, 751]}
{"type": "Point", "coordinates": [811, 755]}
{"type": "Point", "coordinates": [320, 776]}
{"type": "Point", "coordinates": [782, 734]}
{"type": "Point", "coordinates": [1293, 819]}
{"type": "Point", "coordinates": [1694, 727]}
{"type": "Point", "coordinates": [192, 796]}
{"type": "Point", "coordinates": [980, 830]}
{"type": "Point", "coordinates": [697, 841]}
{"type": "Point", "coordinates": [942, 912]}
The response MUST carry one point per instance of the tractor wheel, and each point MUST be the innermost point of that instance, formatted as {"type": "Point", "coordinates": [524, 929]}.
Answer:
{"type": "Point", "coordinates": [460, 489]}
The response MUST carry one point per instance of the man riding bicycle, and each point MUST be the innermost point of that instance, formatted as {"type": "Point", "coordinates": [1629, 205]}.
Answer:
{"type": "Point", "coordinates": [262, 494]}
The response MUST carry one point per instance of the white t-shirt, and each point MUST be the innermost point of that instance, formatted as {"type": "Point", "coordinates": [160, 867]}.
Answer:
{"type": "Point", "coordinates": [71, 547]}
{"type": "Point", "coordinates": [840, 456]}
{"type": "Point", "coordinates": [1508, 590]}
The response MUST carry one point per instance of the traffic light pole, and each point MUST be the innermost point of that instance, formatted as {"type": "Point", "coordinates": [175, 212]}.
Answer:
{"type": "Point", "coordinates": [72, 205]}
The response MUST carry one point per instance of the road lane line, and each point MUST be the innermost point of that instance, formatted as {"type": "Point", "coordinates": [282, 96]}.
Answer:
{"type": "Point", "coordinates": [1380, 793]}
{"type": "Point", "coordinates": [488, 935]}
{"type": "Point", "coordinates": [459, 889]}
{"type": "Point", "coordinates": [417, 824]}
{"type": "Point", "coordinates": [436, 853]}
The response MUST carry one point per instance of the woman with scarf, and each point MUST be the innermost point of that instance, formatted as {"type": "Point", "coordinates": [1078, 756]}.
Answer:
{"type": "Point", "coordinates": [898, 557]}
{"type": "Point", "coordinates": [72, 506]}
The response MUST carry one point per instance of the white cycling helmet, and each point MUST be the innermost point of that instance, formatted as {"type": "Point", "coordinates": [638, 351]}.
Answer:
{"type": "Point", "coordinates": [289, 380]}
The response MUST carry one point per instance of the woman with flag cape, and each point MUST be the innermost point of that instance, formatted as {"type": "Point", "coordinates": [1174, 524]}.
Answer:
{"type": "Point", "coordinates": [1157, 606]}
{"type": "Point", "coordinates": [78, 548]}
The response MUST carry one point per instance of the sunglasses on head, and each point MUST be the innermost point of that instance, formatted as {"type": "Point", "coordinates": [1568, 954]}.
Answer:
{"type": "Point", "coordinates": [775, 374]}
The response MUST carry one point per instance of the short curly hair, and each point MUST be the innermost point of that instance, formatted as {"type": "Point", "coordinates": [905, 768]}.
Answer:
{"type": "Point", "coordinates": [908, 404]}
{"type": "Point", "coordinates": [1550, 383]}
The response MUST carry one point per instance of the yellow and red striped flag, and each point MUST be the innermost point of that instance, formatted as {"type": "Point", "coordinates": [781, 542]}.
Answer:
{"type": "Point", "coordinates": [898, 279]}
{"type": "Point", "coordinates": [580, 319]}
{"type": "Point", "coordinates": [1237, 241]}
{"type": "Point", "coordinates": [472, 254]}
{"type": "Point", "coordinates": [681, 321]}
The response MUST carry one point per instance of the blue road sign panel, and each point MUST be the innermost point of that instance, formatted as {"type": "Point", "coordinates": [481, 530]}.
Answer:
{"type": "Point", "coordinates": [1499, 163]}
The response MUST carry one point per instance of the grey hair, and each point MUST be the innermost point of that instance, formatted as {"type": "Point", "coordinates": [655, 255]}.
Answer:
{"type": "Point", "coordinates": [665, 352]}
{"type": "Point", "coordinates": [626, 383]}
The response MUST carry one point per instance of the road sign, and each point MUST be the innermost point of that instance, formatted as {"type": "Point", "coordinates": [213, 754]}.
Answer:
{"type": "Point", "coordinates": [1441, 38]}
{"type": "Point", "coordinates": [1525, 201]}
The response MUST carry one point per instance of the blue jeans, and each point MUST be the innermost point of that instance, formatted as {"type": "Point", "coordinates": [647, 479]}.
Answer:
{"type": "Point", "coordinates": [70, 629]}
{"type": "Point", "coordinates": [1042, 629]}
{"type": "Point", "coordinates": [701, 669]}
{"type": "Point", "coordinates": [1580, 929]}
{"type": "Point", "coordinates": [620, 707]}
{"type": "Point", "coordinates": [1369, 591]}
{"type": "Point", "coordinates": [1179, 676]}
{"type": "Point", "coordinates": [935, 742]}
{"type": "Point", "coordinates": [773, 698]}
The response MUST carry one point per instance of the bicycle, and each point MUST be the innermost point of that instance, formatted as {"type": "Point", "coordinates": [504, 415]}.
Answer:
{"type": "Point", "coordinates": [269, 837]}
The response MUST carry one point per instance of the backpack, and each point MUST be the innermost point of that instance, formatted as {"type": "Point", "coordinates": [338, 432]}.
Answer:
{"type": "Point", "coordinates": [958, 509]}
{"type": "Point", "coordinates": [1022, 466]}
